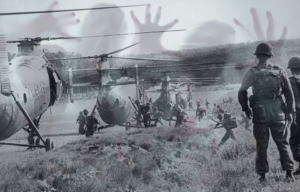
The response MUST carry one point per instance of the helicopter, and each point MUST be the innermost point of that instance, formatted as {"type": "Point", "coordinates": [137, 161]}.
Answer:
{"type": "Point", "coordinates": [29, 85]}
{"type": "Point", "coordinates": [165, 102]}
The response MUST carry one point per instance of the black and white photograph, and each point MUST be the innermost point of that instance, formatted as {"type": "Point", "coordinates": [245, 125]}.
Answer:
{"type": "Point", "coordinates": [149, 96]}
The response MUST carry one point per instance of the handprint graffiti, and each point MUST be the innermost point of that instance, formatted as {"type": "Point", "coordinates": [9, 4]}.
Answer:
{"type": "Point", "coordinates": [261, 36]}
{"type": "Point", "coordinates": [102, 22]}
{"type": "Point", "coordinates": [43, 25]}
{"type": "Point", "coordinates": [150, 43]}
{"type": "Point", "coordinates": [50, 25]}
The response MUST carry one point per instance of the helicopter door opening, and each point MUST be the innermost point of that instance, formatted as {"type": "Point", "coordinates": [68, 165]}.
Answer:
{"type": "Point", "coordinates": [56, 86]}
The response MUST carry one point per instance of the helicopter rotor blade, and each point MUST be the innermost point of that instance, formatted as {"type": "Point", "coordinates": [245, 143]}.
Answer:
{"type": "Point", "coordinates": [122, 49]}
{"type": "Point", "coordinates": [64, 38]}
{"type": "Point", "coordinates": [67, 10]}
{"type": "Point", "coordinates": [143, 59]}
{"type": "Point", "coordinates": [190, 70]}
{"type": "Point", "coordinates": [96, 56]}
{"type": "Point", "coordinates": [127, 34]}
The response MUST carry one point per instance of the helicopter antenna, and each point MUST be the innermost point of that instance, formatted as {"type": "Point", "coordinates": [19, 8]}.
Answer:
{"type": "Point", "coordinates": [67, 10]}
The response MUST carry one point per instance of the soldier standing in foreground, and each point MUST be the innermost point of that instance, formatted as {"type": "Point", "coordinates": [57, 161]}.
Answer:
{"type": "Point", "coordinates": [268, 82]}
{"type": "Point", "coordinates": [294, 65]}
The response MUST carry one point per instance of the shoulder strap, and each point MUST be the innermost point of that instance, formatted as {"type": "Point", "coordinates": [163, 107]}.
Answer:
{"type": "Point", "coordinates": [255, 71]}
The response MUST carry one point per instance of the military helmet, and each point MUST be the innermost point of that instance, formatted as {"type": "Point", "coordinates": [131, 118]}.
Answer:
{"type": "Point", "coordinates": [137, 102]}
{"type": "Point", "coordinates": [264, 48]}
{"type": "Point", "coordinates": [294, 63]}
{"type": "Point", "coordinates": [85, 111]}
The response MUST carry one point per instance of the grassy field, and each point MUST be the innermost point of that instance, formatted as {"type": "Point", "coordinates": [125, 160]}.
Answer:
{"type": "Point", "coordinates": [157, 159]}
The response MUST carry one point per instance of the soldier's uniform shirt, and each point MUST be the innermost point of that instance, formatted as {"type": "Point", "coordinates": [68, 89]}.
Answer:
{"type": "Point", "coordinates": [295, 129]}
{"type": "Point", "coordinates": [268, 111]}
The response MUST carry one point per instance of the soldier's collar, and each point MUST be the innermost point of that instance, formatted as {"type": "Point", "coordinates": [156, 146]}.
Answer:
{"type": "Point", "coordinates": [264, 65]}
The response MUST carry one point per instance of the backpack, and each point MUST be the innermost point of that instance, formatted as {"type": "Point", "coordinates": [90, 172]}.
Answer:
{"type": "Point", "coordinates": [221, 110]}
{"type": "Point", "coordinates": [233, 123]}
{"type": "Point", "coordinates": [230, 124]}
{"type": "Point", "coordinates": [267, 81]}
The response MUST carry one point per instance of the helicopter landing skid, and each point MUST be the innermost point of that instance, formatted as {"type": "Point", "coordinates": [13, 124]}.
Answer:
{"type": "Point", "coordinates": [48, 145]}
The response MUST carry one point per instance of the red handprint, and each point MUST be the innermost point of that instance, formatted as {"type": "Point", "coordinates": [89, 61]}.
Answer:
{"type": "Point", "coordinates": [150, 43]}
{"type": "Point", "coordinates": [269, 36]}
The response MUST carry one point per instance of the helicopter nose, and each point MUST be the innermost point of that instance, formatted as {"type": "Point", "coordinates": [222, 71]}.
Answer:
{"type": "Point", "coordinates": [7, 111]}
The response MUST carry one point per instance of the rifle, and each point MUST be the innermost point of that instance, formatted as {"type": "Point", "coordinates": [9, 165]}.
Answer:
{"type": "Point", "coordinates": [217, 123]}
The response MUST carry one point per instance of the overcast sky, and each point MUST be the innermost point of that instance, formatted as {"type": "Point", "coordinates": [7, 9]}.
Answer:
{"type": "Point", "coordinates": [190, 13]}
